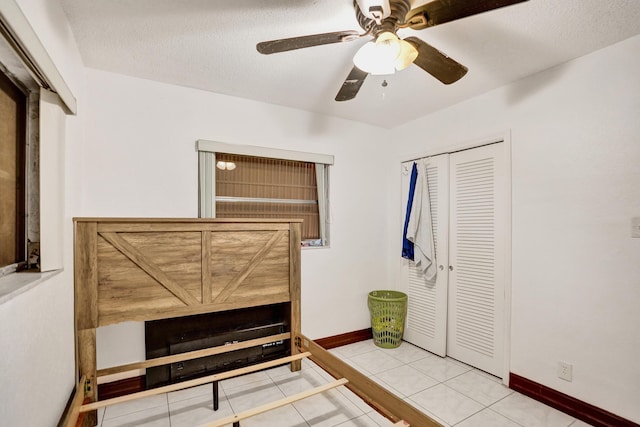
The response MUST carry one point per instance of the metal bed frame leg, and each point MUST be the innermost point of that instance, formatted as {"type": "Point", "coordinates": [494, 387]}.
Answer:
{"type": "Point", "coordinates": [216, 398]}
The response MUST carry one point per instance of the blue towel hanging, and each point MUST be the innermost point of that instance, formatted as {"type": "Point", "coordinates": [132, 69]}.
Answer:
{"type": "Point", "coordinates": [407, 246]}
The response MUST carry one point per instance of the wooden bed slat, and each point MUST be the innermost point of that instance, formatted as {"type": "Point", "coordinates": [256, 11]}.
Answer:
{"type": "Point", "coordinates": [192, 383]}
{"type": "Point", "coordinates": [159, 361]}
{"type": "Point", "coordinates": [277, 404]}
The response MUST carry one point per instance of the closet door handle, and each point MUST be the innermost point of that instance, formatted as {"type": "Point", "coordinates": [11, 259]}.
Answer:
{"type": "Point", "coordinates": [441, 267]}
{"type": "Point", "coordinates": [451, 268]}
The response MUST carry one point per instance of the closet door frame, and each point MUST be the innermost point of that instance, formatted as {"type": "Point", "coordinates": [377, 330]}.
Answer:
{"type": "Point", "coordinates": [448, 148]}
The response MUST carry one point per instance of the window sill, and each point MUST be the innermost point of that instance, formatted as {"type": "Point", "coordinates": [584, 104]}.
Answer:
{"type": "Point", "coordinates": [307, 248]}
{"type": "Point", "coordinates": [14, 284]}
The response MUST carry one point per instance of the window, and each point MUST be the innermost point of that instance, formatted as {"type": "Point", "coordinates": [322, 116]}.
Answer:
{"type": "Point", "coordinates": [32, 161]}
{"type": "Point", "coordinates": [256, 182]}
{"type": "Point", "coordinates": [13, 109]}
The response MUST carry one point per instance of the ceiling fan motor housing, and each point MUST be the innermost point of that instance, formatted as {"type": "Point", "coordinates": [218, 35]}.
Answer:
{"type": "Point", "coordinates": [374, 9]}
{"type": "Point", "coordinates": [398, 10]}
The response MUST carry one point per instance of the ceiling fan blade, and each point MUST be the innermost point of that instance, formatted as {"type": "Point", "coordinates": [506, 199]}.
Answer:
{"type": "Point", "coordinates": [440, 11]}
{"type": "Point", "coordinates": [352, 84]}
{"type": "Point", "coordinates": [283, 45]}
{"type": "Point", "coordinates": [437, 63]}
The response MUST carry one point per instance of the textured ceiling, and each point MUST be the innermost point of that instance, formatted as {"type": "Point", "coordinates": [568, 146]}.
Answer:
{"type": "Point", "coordinates": [210, 45]}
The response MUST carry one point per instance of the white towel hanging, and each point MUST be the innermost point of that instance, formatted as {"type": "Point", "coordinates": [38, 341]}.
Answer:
{"type": "Point", "coordinates": [420, 228]}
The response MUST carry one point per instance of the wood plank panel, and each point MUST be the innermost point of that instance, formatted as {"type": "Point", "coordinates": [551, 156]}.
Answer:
{"type": "Point", "coordinates": [167, 312]}
{"type": "Point", "coordinates": [295, 278]}
{"type": "Point", "coordinates": [206, 267]}
{"type": "Point", "coordinates": [146, 272]}
{"type": "Point", "coordinates": [86, 275]}
{"type": "Point", "coordinates": [208, 225]}
{"type": "Point", "coordinates": [249, 267]}
{"type": "Point", "coordinates": [232, 253]}
{"type": "Point", "coordinates": [149, 267]}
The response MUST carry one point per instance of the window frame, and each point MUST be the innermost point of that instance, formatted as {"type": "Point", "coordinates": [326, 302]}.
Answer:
{"type": "Point", "coordinates": [15, 91]}
{"type": "Point", "coordinates": [207, 175]}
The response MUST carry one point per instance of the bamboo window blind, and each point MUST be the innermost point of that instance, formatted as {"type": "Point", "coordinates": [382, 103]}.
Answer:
{"type": "Point", "coordinates": [261, 187]}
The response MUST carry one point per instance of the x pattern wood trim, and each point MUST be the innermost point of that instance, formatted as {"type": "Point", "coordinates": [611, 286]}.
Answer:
{"type": "Point", "coordinates": [149, 267]}
{"type": "Point", "coordinates": [249, 267]}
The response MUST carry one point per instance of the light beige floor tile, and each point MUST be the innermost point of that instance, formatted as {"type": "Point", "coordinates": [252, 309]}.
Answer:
{"type": "Point", "coordinates": [350, 350]}
{"type": "Point", "coordinates": [406, 380]}
{"type": "Point", "coordinates": [479, 388]}
{"type": "Point", "coordinates": [286, 369]}
{"type": "Point", "coordinates": [439, 368]}
{"type": "Point", "coordinates": [197, 411]}
{"type": "Point", "coordinates": [244, 380]}
{"type": "Point", "coordinates": [376, 361]}
{"type": "Point", "coordinates": [134, 406]}
{"type": "Point", "coordinates": [285, 416]}
{"type": "Point", "coordinates": [531, 413]}
{"type": "Point", "coordinates": [487, 418]}
{"type": "Point", "coordinates": [407, 353]}
{"type": "Point", "coordinates": [189, 393]}
{"type": "Point", "coordinates": [361, 421]}
{"type": "Point", "coordinates": [252, 395]}
{"type": "Point", "coordinates": [446, 403]}
{"type": "Point", "coordinates": [153, 417]}
{"type": "Point", "coordinates": [297, 382]}
{"type": "Point", "coordinates": [327, 409]}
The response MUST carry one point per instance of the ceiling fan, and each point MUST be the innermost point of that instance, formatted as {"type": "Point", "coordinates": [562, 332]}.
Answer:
{"type": "Point", "coordinates": [381, 19]}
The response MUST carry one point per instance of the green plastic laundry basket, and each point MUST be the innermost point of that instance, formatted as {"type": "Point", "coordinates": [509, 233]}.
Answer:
{"type": "Point", "coordinates": [388, 312]}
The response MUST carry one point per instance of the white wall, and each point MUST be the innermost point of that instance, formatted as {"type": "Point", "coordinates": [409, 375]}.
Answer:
{"type": "Point", "coordinates": [139, 159]}
{"type": "Point", "coordinates": [575, 186]}
{"type": "Point", "coordinates": [36, 327]}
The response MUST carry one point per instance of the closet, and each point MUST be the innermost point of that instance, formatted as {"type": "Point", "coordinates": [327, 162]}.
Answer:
{"type": "Point", "coordinates": [461, 312]}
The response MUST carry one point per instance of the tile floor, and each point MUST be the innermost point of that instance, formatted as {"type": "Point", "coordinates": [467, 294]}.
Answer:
{"type": "Point", "coordinates": [450, 392]}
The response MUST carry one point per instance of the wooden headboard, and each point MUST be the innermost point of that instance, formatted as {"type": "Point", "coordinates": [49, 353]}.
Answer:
{"type": "Point", "coordinates": [130, 269]}
{"type": "Point", "coordinates": [147, 269]}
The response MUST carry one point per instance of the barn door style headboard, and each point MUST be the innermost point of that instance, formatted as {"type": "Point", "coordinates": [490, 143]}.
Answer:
{"type": "Point", "coordinates": [139, 269]}
{"type": "Point", "coordinates": [147, 269]}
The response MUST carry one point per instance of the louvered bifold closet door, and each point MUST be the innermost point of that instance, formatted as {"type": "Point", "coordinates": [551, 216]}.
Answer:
{"type": "Point", "coordinates": [426, 324]}
{"type": "Point", "coordinates": [477, 257]}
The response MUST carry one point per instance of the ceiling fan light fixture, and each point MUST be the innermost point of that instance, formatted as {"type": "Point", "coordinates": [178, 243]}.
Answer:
{"type": "Point", "coordinates": [379, 57]}
{"type": "Point", "coordinates": [386, 55]}
{"type": "Point", "coordinates": [368, 60]}
{"type": "Point", "coordinates": [408, 54]}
